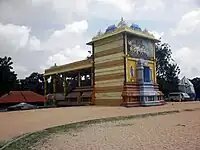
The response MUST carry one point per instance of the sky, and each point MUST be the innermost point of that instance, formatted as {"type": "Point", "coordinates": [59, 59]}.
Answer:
{"type": "Point", "coordinates": [39, 33]}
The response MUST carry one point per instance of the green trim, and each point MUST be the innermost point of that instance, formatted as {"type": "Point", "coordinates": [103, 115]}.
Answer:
{"type": "Point", "coordinates": [2, 143]}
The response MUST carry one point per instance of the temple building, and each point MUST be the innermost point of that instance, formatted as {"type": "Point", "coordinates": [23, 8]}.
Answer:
{"type": "Point", "coordinates": [120, 72]}
{"type": "Point", "coordinates": [186, 86]}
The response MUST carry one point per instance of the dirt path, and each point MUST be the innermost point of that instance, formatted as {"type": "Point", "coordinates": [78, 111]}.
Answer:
{"type": "Point", "coordinates": [171, 132]}
{"type": "Point", "coordinates": [16, 123]}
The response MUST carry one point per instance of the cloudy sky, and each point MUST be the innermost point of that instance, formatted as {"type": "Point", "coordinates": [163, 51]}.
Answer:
{"type": "Point", "coordinates": [39, 33]}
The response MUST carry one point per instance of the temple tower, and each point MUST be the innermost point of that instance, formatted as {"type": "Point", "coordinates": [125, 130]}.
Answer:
{"type": "Point", "coordinates": [124, 67]}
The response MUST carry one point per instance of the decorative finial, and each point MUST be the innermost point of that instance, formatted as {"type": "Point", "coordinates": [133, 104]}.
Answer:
{"type": "Point", "coordinates": [99, 33]}
{"type": "Point", "coordinates": [122, 23]}
{"type": "Point", "coordinates": [146, 31]}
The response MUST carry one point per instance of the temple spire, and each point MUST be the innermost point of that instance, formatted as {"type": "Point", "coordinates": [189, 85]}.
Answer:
{"type": "Point", "coordinates": [122, 23]}
{"type": "Point", "coordinates": [99, 33]}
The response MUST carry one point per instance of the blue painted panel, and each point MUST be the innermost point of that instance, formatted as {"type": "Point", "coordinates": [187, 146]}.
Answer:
{"type": "Point", "coordinates": [147, 74]}
{"type": "Point", "coordinates": [132, 71]}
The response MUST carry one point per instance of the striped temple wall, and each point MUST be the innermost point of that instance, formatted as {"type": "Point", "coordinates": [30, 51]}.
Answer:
{"type": "Point", "coordinates": [109, 71]}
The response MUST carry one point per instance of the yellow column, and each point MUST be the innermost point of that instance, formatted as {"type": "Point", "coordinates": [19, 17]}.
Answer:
{"type": "Point", "coordinates": [54, 84]}
{"type": "Point", "coordinates": [155, 78]}
{"type": "Point", "coordinates": [93, 87]}
{"type": "Point", "coordinates": [91, 77]}
{"type": "Point", "coordinates": [125, 55]}
{"type": "Point", "coordinates": [65, 84]}
{"type": "Point", "coordinates": [45, 86]}
{"type": "Point", "coordinates": [79, 79]}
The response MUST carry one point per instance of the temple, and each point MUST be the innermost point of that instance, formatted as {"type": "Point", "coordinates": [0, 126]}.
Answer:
{"type": "Point", "coordinates": [120, 72]}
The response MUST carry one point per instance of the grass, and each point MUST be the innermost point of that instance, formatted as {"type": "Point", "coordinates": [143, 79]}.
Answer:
{"type": "Point", "coordinates": [191, 109]}
{"type": "Point", "coordinates": [2, 143]}
{"type": "Point", "coordinates": [27, 141]}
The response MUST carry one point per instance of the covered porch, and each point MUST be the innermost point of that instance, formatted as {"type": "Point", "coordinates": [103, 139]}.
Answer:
{"type": "Point", "coordinates": [70, 84]}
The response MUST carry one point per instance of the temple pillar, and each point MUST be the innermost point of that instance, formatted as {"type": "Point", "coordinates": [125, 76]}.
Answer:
{"type": "Point", "coordinates": [155, 77]}
{"type": "Point", "coordinates": [65, 84]}
{"type": "Point", "coordinates": [45, 86]}
{"type": "Point", "coordinates": [91, 77]}
{"type": "Point", "coordinates": [54, 84]}
{"type": "Point", "coordinates": [79, 79]}
{"type": "Point", "coordinates": [126, 56]}
{"type": "Point", "coordinates": [140, 72]}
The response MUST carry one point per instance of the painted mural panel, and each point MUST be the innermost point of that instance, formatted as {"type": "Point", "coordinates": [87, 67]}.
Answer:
{"type": "Point", "coordinates": [140, 48]}
{"type": "Point", "coordinates": [131, 71]}
{"type": "Point", "coordinates": [151, 65]}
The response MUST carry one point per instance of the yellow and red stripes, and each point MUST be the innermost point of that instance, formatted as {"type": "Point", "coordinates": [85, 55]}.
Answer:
{"type": "Point", "coordinates": [109, 72]}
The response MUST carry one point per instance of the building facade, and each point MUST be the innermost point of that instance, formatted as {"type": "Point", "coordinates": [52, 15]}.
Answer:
{"type": "Point", "coordinates": [123, 68]}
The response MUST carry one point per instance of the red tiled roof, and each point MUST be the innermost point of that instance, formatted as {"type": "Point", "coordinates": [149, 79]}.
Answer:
{"type": "Point", "coordinates": [21, 96]}
{"type": "Point", "coordinates": [33, 97]}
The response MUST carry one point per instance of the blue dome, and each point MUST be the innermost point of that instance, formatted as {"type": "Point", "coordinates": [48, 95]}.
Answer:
{"type": "Point", "coordinates": [111, 28]}
{"type": "Point", "coordinates": [135, 27]}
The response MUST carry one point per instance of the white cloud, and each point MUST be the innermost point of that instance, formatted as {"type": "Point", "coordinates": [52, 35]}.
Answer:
{"type": "Point", "coordinates": [157, 35]}
{"type": "Point", "coordinates": [156, 5]}
{"type": "Point", "coordinates": [67, 45]}
{"type": "Point", "coordinates": [39, 33]}
{"type": "Point", "coordinates": [184, 1]}
{"type": "Point", "coordinates": [129, 9]}
{"type": "Point", "coordinates": [77, 27]}
{"type": "Point", "coordinates": [185, 39]}
{"type": "Point", "coordinates": [188, 60]}
{"type": "Point", "coordinates": [68, 37]}
{"type": "Point", "coordinates": [189, 23]}
{"type": "Point", "coordinates": [125, 5]}
{"type": "Point", "coordinates": [62, 46]}
{"type": "Point", "coordinates": [19, 68]}
{"type": "Point", "coordinates": [34, 43]}
{"type": "Point", "coordinates": [14, 35]}
{"type": "Point", "coordinates": [64, 10]}
{"type": "Point", "coordinates": [67, 56]}
{"type": "Point", "coordinates": [17, 37]}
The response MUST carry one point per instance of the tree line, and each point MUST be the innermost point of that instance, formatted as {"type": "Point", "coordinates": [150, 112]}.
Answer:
{"type": "Point", "coordinates": [167, 75]}
{"type": "Point", "coordinates": [9, 81]}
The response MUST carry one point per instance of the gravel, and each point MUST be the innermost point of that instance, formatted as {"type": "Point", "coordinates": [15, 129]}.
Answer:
{"type": "Point", "coordinates": [171, 132]}
{"type": "Point", "coordinates": [36, 120]}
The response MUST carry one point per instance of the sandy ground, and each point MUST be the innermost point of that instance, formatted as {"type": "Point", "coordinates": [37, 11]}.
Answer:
{"type": "Point", "coordinates": [14, 124]}
{"type": "Point", "coordinates": [171, 132]}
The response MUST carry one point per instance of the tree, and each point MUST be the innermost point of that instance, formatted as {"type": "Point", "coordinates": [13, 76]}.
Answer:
{"type": "Point", "coordinates": [34, 82]}
{"type": "Point", "coordinates": [167, 70]}
{"type": "Point", "coordinates": [7, 75]}
{"type": "Point", "coordinates": [196, 84]}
